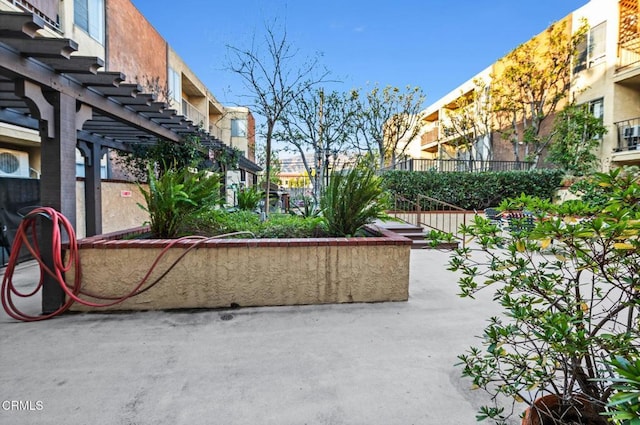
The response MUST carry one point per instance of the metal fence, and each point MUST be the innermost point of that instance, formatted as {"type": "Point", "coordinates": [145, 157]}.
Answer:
{"type": "Point", "coordinates": [464, 165]}
{"type": "Point", "coordinates": [628, 135]}
{"type": "Point", "coordinates": [430, 213]}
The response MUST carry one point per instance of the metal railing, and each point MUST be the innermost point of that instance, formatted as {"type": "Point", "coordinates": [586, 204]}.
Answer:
{"type": "Point", "coordinates": [192, 113]}
{"type": "Point", "coordinates": [628, 135]}
{"type": "Point", "coordinates": [430, 213]}
{"type": "Point", "coordinates": [430, 136]}
{"type": "Point", "coordinates": [628, 58]}
{"type": "Point", "coordinates": [49, 16]}
{"type": "Point", "coordinates": [464, 165]}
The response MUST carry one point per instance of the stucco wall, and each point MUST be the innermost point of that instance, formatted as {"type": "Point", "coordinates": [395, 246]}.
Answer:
{"type": "Point", "coordinates": [120, 208]}
{"type": "Point", "coordinates": [134, 46]}
{"type": "Point", "coordinates": [250, 272]}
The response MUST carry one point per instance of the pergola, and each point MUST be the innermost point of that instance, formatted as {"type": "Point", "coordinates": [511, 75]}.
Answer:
{"type": "Point", "coordinates": [72, 104]}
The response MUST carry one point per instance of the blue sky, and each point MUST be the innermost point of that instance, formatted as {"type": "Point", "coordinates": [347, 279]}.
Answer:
{"type": "Point", "coordinates": [433, 44]}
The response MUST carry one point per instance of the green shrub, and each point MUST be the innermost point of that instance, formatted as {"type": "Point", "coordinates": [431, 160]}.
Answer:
{"type": "Point", "coordinates": [567, 290]}
{"type": "Point", "coordinates": [595, 191]}
{"type": "Point", "coordinates": [219, 222]}
{"type": "Point", "coordinates": [288, 226]}
{"type": "Point", "coordinates": [473, 190]}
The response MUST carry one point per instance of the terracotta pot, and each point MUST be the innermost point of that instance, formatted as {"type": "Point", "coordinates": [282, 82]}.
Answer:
{"type": "Point", "coordinates": [583, 413]}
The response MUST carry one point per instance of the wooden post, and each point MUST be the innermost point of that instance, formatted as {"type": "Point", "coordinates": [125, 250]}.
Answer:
{"type": "Point", "coordinates": [58, 186]}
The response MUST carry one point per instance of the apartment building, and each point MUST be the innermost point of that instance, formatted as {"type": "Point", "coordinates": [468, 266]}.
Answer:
{"type": "Point", "coordinates": [605, 76]}
{"type": "Point", "coordinates": [145, 62]}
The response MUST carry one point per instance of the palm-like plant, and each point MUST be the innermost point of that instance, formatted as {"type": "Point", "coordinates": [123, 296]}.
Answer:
{"type": "Point", "coordinates": [353, 198]}
{"type": "Point", "coordinates": [307, 208]}
{"type": "Point", "coordinates": [624, 405]}
{"type": "Point", "coordinates": [177, 194]}
{"type": "Point", "coordinates": [248, 199]}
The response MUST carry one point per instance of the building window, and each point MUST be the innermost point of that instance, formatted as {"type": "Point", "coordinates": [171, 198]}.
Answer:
{"type": "Point", "coordinates": [104, 171]}
{"type": "Point", "coordinates": [89, 15]}
{"type": "Point", "coordinates": [592, 48]}
{"type": "Point", "coordinates": [239, 128]}
{"type": "Point", "coordinates": [596, 107]}
{"type": "Point", "coordinates": [175, 88]}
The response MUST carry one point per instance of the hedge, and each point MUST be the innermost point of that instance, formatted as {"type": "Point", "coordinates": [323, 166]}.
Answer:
{"type": "Point", "coordinates": [473, 190]}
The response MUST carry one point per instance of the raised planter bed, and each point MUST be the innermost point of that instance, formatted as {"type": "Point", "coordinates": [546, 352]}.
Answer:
{"type": "Point", "coordinates": [246, 272]}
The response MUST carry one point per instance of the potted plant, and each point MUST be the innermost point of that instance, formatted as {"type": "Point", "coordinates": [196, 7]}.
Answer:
{"type": "Point", "coordinates": [568, 288]}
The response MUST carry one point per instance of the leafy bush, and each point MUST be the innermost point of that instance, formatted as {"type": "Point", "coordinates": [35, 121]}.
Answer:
{"type": "Point", "coordinates": [288, 226]}
{"type": "Point", "coordinates": [353, 198]}
{"type": "Point", "coordinates": [473, 190]}
{"type": "Point", "coordinates": [177, 195]}
{"type": "Point", "coordinates": [568, 289]}
{"type": "Point", "coordinates": [218, 222]}
{"type": "Point", "coordinates": [577, 134]}
{"type": "Point", "coordinates": [164, 154]}
{"type": "Point", "coordinates": [594, 190]}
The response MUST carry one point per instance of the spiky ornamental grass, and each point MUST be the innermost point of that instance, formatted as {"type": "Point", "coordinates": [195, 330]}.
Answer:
{"type": "Point", "coordinates": [176, 195]}
{"type": "Point", "coordinates": [353, 198]}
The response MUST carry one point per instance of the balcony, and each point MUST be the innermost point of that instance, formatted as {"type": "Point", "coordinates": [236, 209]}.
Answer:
{"type": "Point", "coordinates": [628, 150]}
{"type": "Point", "coordinates": [629, 35]}
{"type": "Point", "coordinates": [192, 113]}
{"type": "Point", "coordinates": [629, 56]}
{"type": "Point", "coordinates": [430, 137]}
{"type": "Point", "coordinates": [47, 10]}
{"type": "Point", "coordinates": [628, 135]}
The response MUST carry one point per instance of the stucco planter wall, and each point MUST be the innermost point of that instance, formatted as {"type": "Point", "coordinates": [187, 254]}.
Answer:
{"type": "Point", "coordinates": [248, 272]}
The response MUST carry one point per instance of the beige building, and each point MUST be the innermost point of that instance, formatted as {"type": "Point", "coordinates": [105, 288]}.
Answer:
{"type": "Point", "coordinates": [606, 77]}
{"type": "Point", "coordinates": [609, 81]}
{"type": "Point", "coordinates": [101, 29]}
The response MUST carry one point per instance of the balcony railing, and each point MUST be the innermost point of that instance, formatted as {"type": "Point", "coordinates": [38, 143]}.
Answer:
{"type": "Point", "coordinates": [628, 135]}
{"type": "Point", "coordinates": [192, 113]}
{"type": "Point", "coordinates": [47, 10]}
{"type": "Point", "coordinates": [628, 34]}
{"type": "Point", "coordinates": [465, 165]}
{"type": "Point", "coordinates": [629, 57]}
{"type": "Point", "coordinates": [430, 137]}
{"type": "Point", "coordinates": [215, 131]}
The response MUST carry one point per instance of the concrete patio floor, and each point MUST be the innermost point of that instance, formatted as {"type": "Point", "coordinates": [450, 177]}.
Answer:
{"type": "Point", "coordinates": [387, 363]}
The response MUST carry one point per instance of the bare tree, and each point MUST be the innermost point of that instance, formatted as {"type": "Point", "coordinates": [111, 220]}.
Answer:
{"type": "Point", "coordinates": [318, 124]}
{"type": "Point", "coordinates": [387, 120]}
{"type": "Point", "coordinates": [275, 77]}
{"type": "Point", "coordinates": [468, 125]}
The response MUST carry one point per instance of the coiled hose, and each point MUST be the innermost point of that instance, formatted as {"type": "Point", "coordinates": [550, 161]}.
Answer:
{"type": "Point", "coordinates": [74, 293]}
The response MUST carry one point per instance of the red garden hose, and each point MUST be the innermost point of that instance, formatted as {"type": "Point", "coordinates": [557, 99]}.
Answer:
{"type": "Point", "coordinates": [74, 292]}
{"type": "Point", "coordinates": [28, 225]}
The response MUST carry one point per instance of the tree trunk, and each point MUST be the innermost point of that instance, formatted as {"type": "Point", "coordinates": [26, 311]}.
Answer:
{"type": "Point", "coordinates": [268, 167]}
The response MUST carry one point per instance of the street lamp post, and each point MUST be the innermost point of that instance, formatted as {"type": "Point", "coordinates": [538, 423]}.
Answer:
{"type": "Point", "coordinates": [327, 155]}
